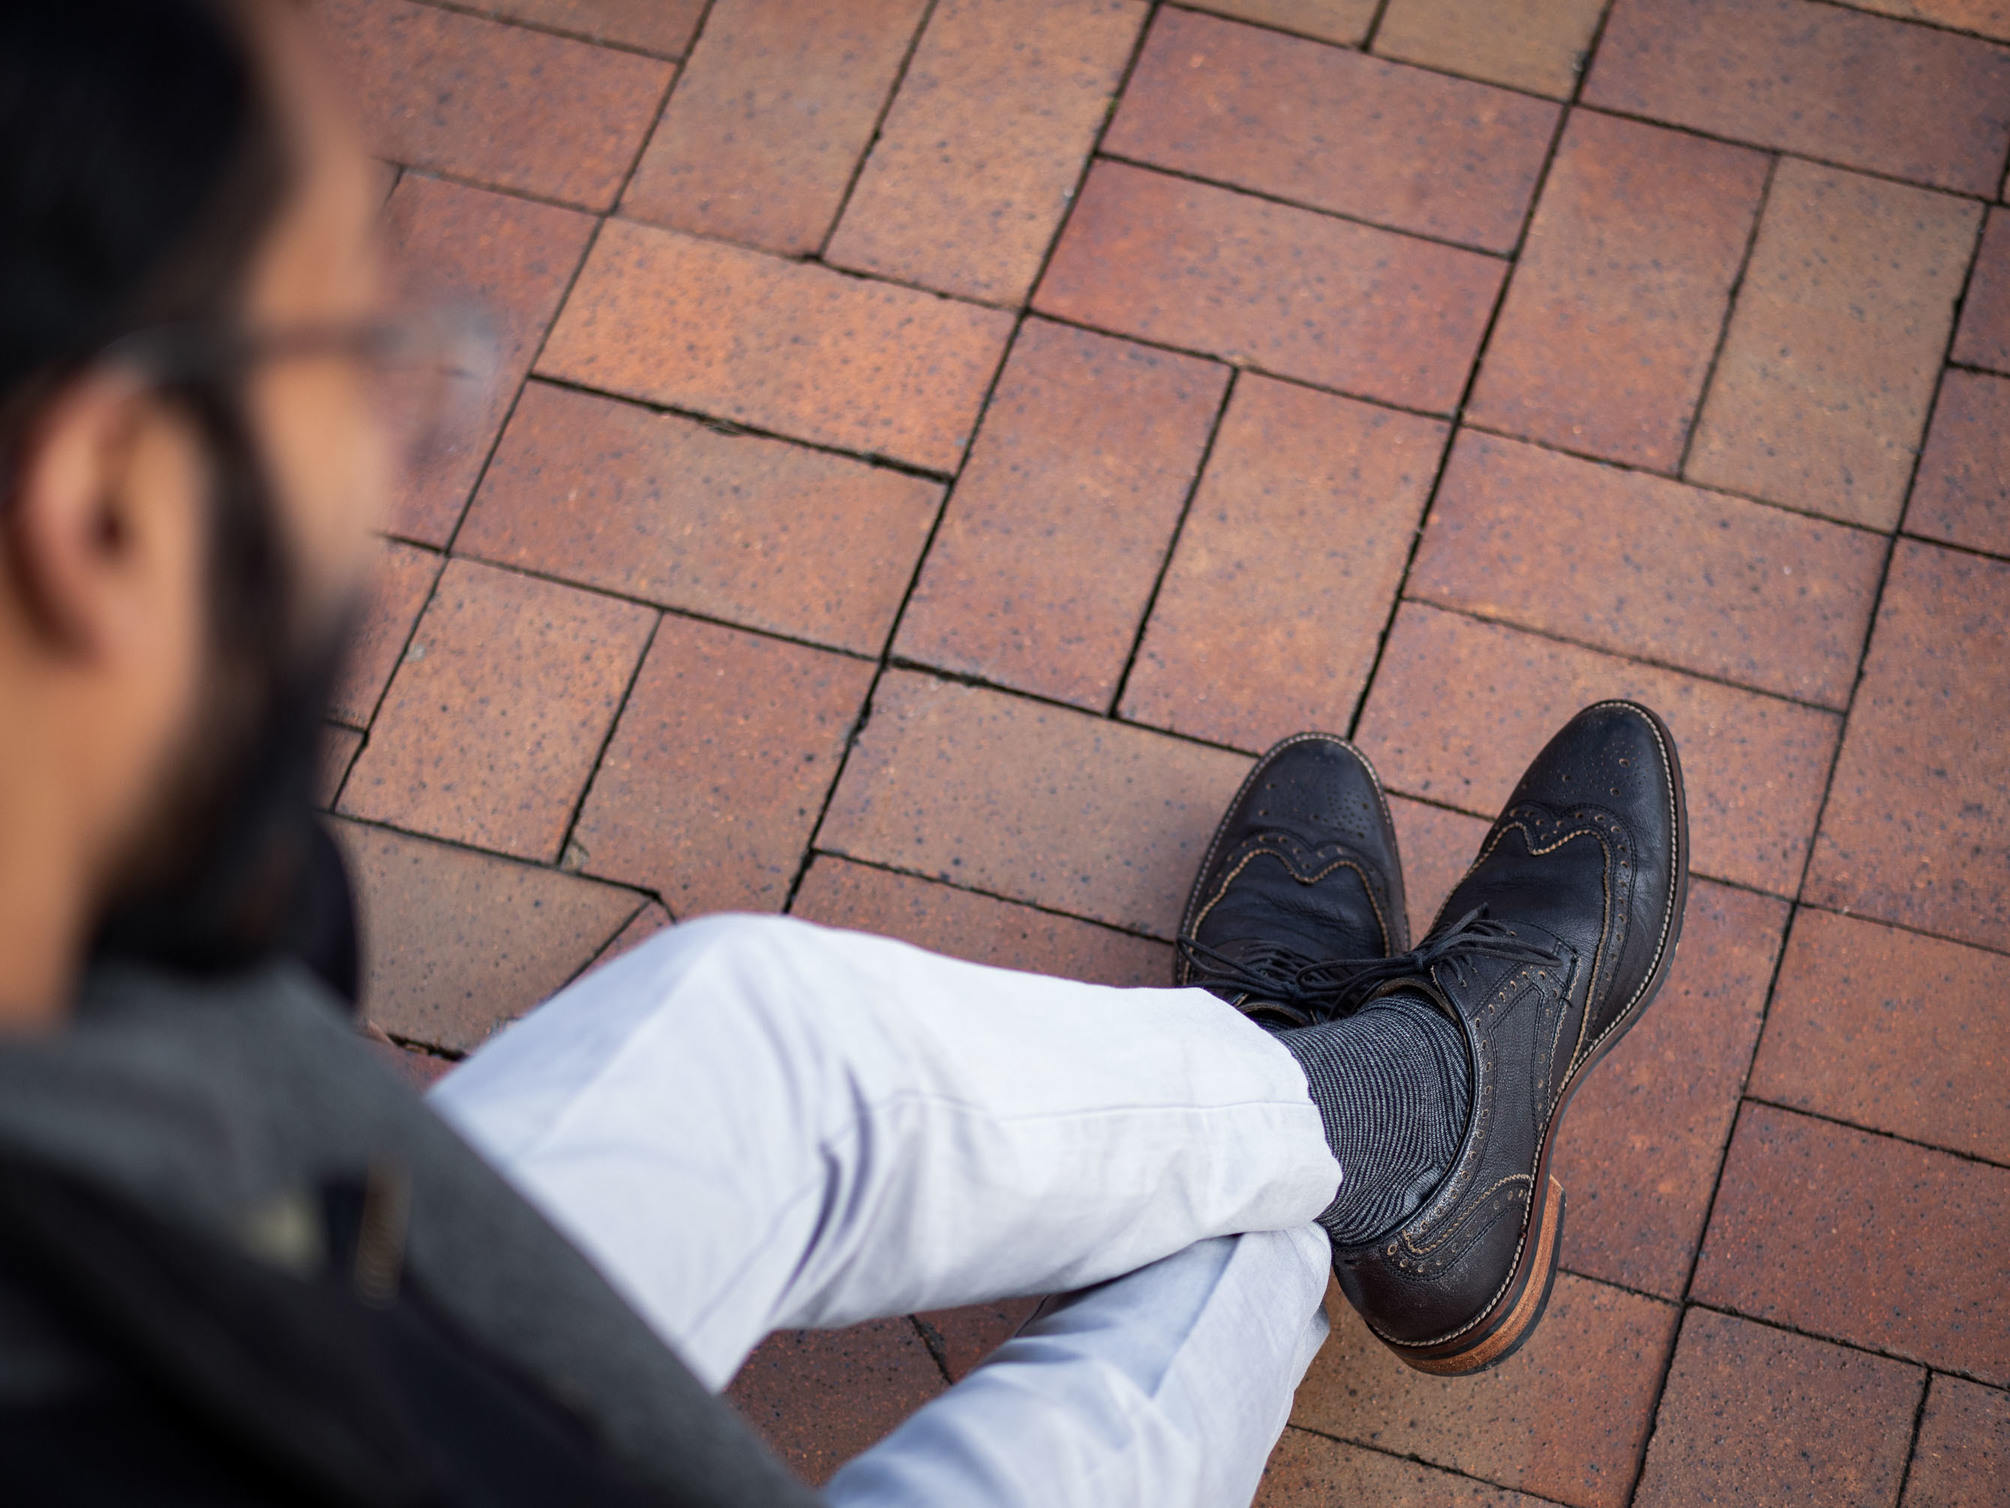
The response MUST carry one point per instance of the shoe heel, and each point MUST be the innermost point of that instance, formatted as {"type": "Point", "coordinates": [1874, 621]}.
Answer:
{"type": "Point", "coordinates": [1519, 1309]}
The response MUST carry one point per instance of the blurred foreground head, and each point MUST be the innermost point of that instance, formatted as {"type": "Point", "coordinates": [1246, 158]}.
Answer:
{"type": "Point", "coordinates": [192, 449]}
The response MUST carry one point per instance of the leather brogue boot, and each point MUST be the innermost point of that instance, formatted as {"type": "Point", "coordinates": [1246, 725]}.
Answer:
{"type": "Point", "coordinates": [1302, 871]}
{"type": "Point", "coordinates": [1561, 933]}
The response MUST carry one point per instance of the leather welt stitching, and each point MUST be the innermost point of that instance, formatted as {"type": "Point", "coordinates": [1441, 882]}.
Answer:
{"type": "Point", "coordinates": [1473, 1200]}
{"type": "Point", "coordinates": [1190, 921]}
{"type": "Point", "coordinates": [1605, 919]}
{"type": "Point", "coordinates": [1367, 884]}
{"type": "Point", "coordinates": [1675, 870]}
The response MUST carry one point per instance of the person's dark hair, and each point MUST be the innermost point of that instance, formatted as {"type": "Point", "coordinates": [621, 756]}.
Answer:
{"type": "Point", "coordinates": [142, 164]}
{"type": "Point", "coordinates": [143, 161]}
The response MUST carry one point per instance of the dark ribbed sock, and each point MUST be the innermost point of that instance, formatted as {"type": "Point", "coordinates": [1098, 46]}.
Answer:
{"type": "Point", "coordinates": [1392, 1085]}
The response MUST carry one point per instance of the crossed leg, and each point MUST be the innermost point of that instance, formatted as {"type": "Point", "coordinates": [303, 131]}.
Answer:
{"type": "Point", "coordinates": [754, 1124]}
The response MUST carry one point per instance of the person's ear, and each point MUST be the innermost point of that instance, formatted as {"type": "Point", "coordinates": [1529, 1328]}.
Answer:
{"type": "Point", "coordinates": [102, 521]}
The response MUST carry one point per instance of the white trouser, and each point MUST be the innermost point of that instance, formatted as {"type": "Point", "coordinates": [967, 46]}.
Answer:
{"type": "Point", "coordinates": [753, 1123]}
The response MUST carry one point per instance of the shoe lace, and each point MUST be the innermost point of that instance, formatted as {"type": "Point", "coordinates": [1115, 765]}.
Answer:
{"type": "Point", "coordinates": [1324, 988]}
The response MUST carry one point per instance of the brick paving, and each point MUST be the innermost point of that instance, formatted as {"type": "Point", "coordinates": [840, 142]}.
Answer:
{"type": "Point", "coordinates": [942, 441]}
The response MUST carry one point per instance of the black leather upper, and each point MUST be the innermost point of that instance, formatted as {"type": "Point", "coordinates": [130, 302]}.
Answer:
{"type": "Point", "coordinates": [1579, 886]}
{"type": "Point", "coordinates": [1302, 871]}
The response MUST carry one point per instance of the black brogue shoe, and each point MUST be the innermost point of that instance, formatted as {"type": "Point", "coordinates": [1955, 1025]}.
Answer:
{"type": "Point", "coordinates": [1561, 933]}
{"type": "Point", "coordinates": [1302, 872]}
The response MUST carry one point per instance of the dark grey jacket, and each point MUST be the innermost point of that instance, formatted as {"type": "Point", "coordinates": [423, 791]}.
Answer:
{"type": "Point", "coordinates": [211, 1104]}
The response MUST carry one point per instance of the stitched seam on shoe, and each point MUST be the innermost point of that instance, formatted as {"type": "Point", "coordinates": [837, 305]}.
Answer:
{"type": "Point", "coordinates": [1674, 888]}
{"type": "Point", "coordinates": [1521, 1240]}
{"type": "Point", "coordinates": [1381, 921]}
{"type": "Point", "coordinates": [1187, 922]}
{"type": "Point", "coordinates": [1598, 954]}
{"type": "Point", "coordinates": [1453, 1229]}
{"type": "Point", "coordinates": [1538, 850]}
{"type": "Point", "coordinates": [1654, 964]}
{"type": "Point", "coordinates": [1190, 921]}
{"type": "Point", "coordinates": [1469, 1199]}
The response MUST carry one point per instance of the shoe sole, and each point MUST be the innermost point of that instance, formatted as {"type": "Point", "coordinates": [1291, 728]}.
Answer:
{"type": "Point", "coordinates": [1513, 1316]}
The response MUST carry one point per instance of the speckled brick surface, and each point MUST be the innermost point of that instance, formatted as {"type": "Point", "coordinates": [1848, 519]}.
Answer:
{"type": "Point", "coordinates": [1619, 294]}
{"type": "Point", "coordinates": [935, 446]}
{"type": "Point", "coordinates": [1261, 110]}
{"type": "Point", "coordinates": [764, 133]}
{"type": "Point", "coordinates": [489, 102]}
{"type": "Point", "coordinates": [1927, 1236]}
{"type": "Point", "coordinates": [1563, 1418]}
{"type": "Point", "coordinates": [1885, 1028]}
{"type": "Point", "coordinates": [1756, 1415]}
{"type": "Point", "coordinates": [1460, 705]}
{"type": "Point", "coordinates": [1046, 560]}
{"type": "Point", "coordinates": [1335, 485]}
{"type": "Point", "coordinates": [1813, 78]}
{"type": "Point", "coordinates": [1827, 370]}
{"type": "Point", "coordinates": [509, 259]}
{"type": "Point", "coordinates": [1538, 45]}
{"type": "Point", "coordinates": [1331, 302]}
{"type": "Point", "coordinates": [1630, 562]}
{"type": "Point", "coordinates": [1917, 829]}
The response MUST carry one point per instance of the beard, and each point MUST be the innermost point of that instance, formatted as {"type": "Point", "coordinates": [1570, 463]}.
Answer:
{"type": "Point", "coordinates": [235, 867]}
{"type": "Point", "coordinates": [232, 867]}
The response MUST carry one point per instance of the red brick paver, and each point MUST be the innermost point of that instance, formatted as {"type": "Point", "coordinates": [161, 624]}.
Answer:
{"type": "Point", "coordinates": [1028, 801]}
{"type": "Point", "coordinates": [1311, 1471]}
{"type": "Point", "coordinates": [1962, 492]}
{"type": "Point", "coordinates": [493, 722]}
{"type": "Point", "coordinates": [650, 920]}
{"type": "Point", "coordinates": [469, 97]}
{"type": "Point", "coordinates": [400, 580]}
{"type": "Point", "coordinates": [1616, 303]}
{"type": "Point", "coordinates": [781, 345]}
{"type": "Point", "coordinates": [677, 512]}
{"type": "Point", "coordinates": [1753, 1414]}
{"type": "Point", "coordinates": [459, 942]}
{"type": "Point", "coordinates": [1344, 21]}
{"type": "Point", "coordinates": [984, 143]}
{"type": "Point", "coordinates": [964, 1337]}
{"type": "Point", "coordinates": [660, 26]}
{"type": "Point", "coordinates": [1821, 394]}
{"type": "Point", "coordinates": [1291, 292]}
{"type": "Point", "coordinates": [1638, 1157]}
{"type": "Point", "coordinates": [1438, 847]}
{"type": "Point", "coordinates": [1813, 78]}
{"type": "Point", "coordinates": [1915, 830]}
{"type": "Point", "coordinates": [1864, 1239]}
{"type": "Point", "coordinates": [822, 1396]}
{"type": "Point", "coordinates": [1275, 599]}
{"type": "Point", "coordinates": [1538, 45]}
{"type": "Point", "coordinates": [1459, 708]}
{"type": "Point", "coordinates": [1060, 521]}
{"type": "Point", "coordinates": [1333, 129]}
{"type": "Point", "coordinates": [840, 893]}
{"type": "Point", "coordinates": [713, 779]}
{"type": "Point", "coordinates": [1962, 1458]}
{"type": "Point", "coordinates": [1983, 338]}
{"type": "Point", "coordinates": [1629, 562]}
{"type": "Point", "coordinates": [339, 746]}
{"type": "Point", "coordinates": [513, 260]}
{"type": "Point", "coordinates": [1893, 1031]}
{"type": "Point", "coordinates": [1989, 17]}
{"type": "Point", "coordinates": [999, 419]}
{"type": "Point", "coordinates": [1563, 1418]}
{"type": "Point", "coordinates": [774, 109]}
